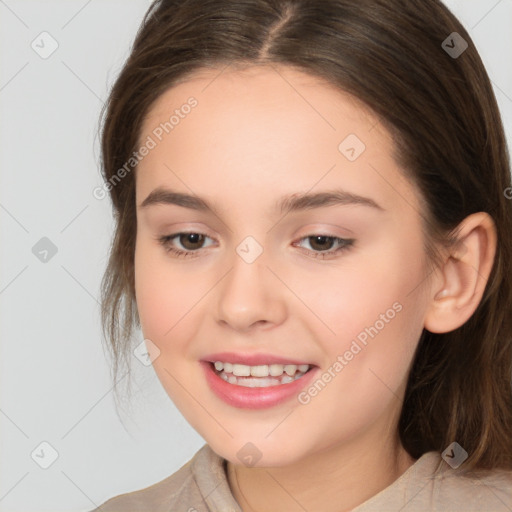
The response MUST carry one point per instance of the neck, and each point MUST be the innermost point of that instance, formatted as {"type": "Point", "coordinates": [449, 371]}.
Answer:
{"type": "Point", "coordinates": [336, 479]}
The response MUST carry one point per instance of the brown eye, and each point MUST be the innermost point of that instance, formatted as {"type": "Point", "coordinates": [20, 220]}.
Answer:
{"type": "Point", "coordinates": [190, 241]}
{"type": "Point", "coordinates": [321, 242]}
{"type": "Point", "coordinates": [184, 244]}
{"type": "Point", "coordinates": [322, 245]}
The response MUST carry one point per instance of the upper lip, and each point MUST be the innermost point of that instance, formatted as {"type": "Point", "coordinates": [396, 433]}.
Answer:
{"type": "Point", "coordinates": [252, 359]}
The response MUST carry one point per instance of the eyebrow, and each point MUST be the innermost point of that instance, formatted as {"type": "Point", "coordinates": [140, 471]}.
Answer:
{"type": "Point", "coordinates": [287, 204]}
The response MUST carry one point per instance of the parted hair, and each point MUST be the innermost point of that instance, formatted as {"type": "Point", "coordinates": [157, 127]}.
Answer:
{"type": "Point", "coordinates": [448, 140]}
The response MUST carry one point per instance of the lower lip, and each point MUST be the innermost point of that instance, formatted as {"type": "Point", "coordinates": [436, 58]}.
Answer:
{"type": "Point", "coordinates": [254, 398]}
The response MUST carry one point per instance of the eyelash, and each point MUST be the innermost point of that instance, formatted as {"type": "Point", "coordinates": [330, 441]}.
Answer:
{"type": "Point", "coordinates": [166, 240]}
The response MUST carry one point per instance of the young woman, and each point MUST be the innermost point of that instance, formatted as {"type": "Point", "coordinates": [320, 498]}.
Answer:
{"type": "Point", "coordinates": [314, 234]}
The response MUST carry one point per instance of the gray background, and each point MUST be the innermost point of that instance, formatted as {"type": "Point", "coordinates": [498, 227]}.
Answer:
{"type": "Point", "coordinates": [55, 383]}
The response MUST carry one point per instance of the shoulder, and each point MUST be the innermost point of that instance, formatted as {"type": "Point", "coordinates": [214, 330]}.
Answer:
{"type": "Point", "coordinates": [434, 485]}
{"type": "Point", "coordinates": [179, 490]}
{"type": "Point", "coordinates": [482, 490]}
{"type": "Point", "coordinates": [430, 484]}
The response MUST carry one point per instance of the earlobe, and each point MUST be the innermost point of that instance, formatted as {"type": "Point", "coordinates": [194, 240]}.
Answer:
{"type": "Point", "coordinates": [463, 276]}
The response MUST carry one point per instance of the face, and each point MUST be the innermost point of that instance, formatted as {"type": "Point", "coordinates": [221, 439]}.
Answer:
{"type": "Point", "coordinates": [247, 271]}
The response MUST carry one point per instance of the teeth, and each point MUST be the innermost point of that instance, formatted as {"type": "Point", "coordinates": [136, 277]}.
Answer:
{"type": "Point", "coordinates": [264, 370]}
{"type": "Point", "coordinates": [259, 371]}
{"type": "Point", "coordinates": [276, 370]}
{"type": "Point", "coordinates": [261, 375]}
{"type": "Point", "coordinates": [258, 382]}
{"type": "Point", "coordinates": [241, 370]}
{"type": "Point", "coordinates": [290, 369]}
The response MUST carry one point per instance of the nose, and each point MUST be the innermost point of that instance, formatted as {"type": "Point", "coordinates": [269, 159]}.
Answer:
{"type": "Point", "coordinates": [250, 296]}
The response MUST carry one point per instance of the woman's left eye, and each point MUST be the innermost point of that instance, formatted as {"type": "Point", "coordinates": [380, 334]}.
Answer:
{"type": "Point", "coordinates": [323, 242]}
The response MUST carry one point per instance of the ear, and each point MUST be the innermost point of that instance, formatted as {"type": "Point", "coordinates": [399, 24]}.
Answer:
{"type": "Point", "coordinates": [462, 279]}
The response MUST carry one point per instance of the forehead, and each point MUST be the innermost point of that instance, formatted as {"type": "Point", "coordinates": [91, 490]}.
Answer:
{"type": "Point", "coordinates": [260, 86]}
{"type": "Point", "coordinates": [267, 127]}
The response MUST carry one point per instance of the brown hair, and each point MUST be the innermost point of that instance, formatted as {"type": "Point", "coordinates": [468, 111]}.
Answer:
{"type": "Point", "coordinates": [449, 139]}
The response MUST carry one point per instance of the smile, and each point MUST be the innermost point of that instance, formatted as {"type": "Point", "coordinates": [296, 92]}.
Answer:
{"type": "Point", "coordinates": [259, 376]}
{"type": "Point", "coordinates": [257, 387]}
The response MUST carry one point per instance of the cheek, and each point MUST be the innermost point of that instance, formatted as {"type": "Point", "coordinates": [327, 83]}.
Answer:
{"type": "Point", "coordinates": [366, 362]}
{"type": "Point", "coordinates": [342, 300]}
{"type": "Point", "coordinates": [370, 313]}
{"type": "Point", "coordinates": [164, 304]}
{"type": "Point", "coordinates": [162, 298]}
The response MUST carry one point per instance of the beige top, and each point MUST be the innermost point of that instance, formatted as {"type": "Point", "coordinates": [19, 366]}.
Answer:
{"type": "Point", "coordinates": [201, 485]}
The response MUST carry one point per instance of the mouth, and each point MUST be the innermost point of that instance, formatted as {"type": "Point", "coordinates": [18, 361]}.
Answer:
{"type": "Point", "coordinates": [256, 380]}
{"type": "Point", "coordinates": [259, 376]}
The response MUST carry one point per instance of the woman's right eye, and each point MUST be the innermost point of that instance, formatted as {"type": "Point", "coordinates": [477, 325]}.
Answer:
{"type": "Point", "coordinates": [187, 240]}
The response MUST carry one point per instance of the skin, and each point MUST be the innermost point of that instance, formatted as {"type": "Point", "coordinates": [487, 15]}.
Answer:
{"type": "Point", "coordinates": [257, 135]}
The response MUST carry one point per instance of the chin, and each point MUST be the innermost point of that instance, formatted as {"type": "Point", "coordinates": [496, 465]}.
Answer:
{"type": "Point", "coordinates": [255, 454]}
